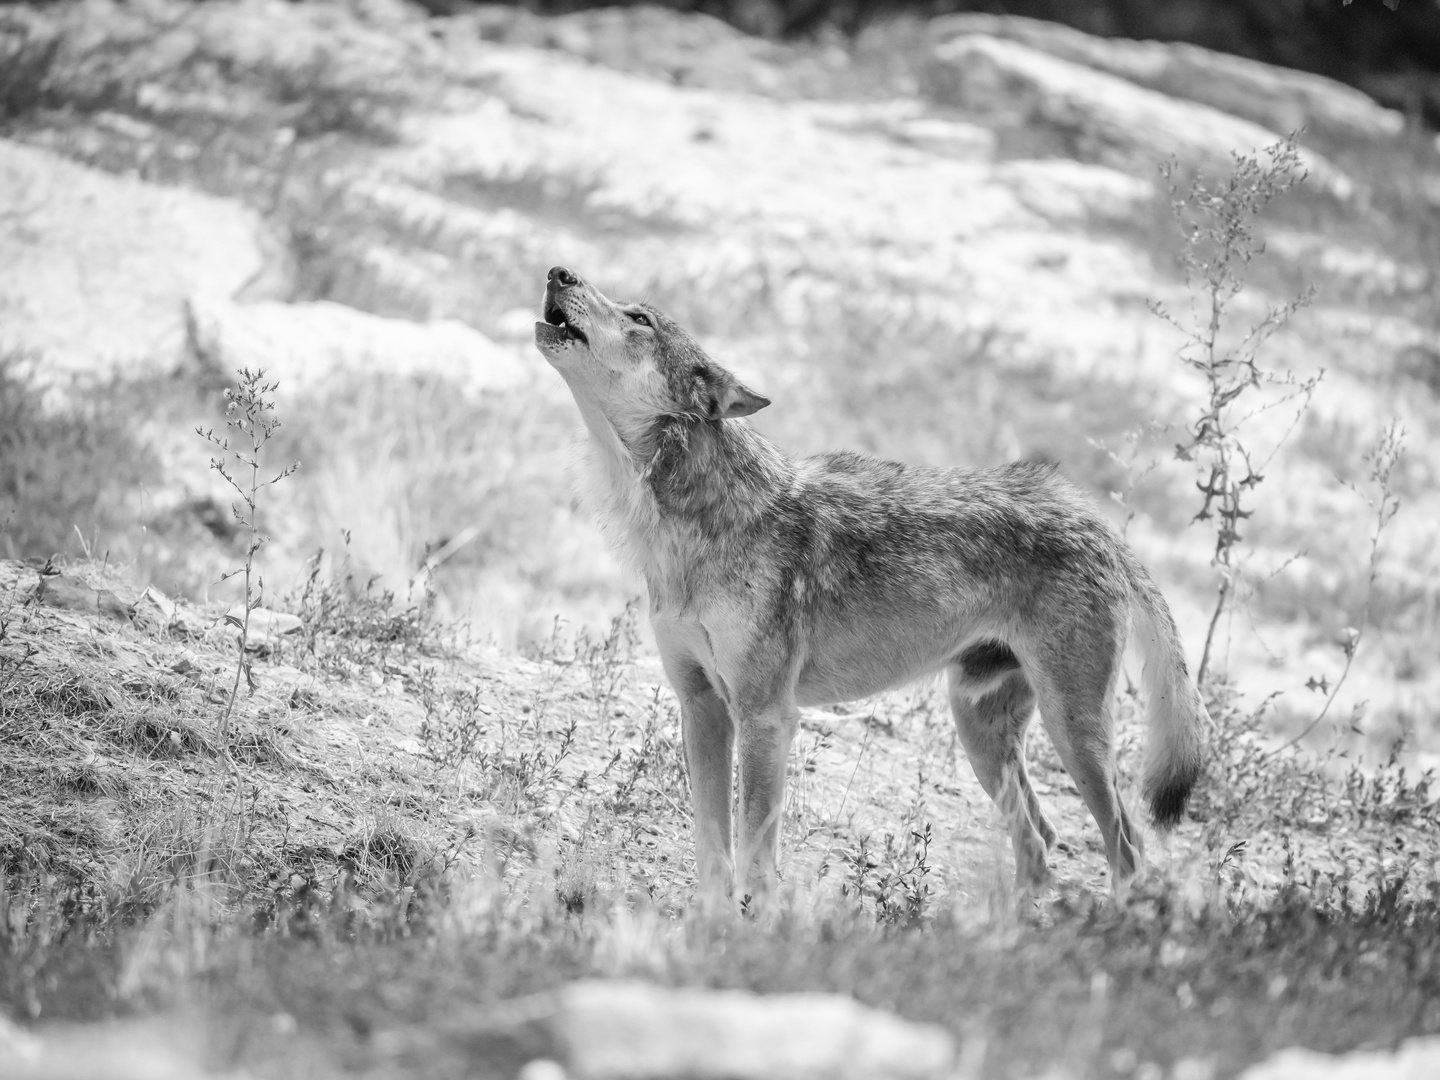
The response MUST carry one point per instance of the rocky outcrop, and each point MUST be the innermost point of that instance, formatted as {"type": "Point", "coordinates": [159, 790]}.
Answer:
{"type": "Point", "coordinates": [95, 268]}
{"type": "Point", "coordinates": [305, 345]}
{"type": "Point", "coordinates": [1280, 99]}
{"type": "Point", "coordinates": [66, 593]}
{"type": "Point", "coordinates": [1094, 115]}
{"type": "Point", "coordinates": [688, 49]}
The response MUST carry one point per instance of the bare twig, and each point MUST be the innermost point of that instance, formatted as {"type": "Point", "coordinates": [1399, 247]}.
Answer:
{"type": "Point", "coordinates": [1383, 458]}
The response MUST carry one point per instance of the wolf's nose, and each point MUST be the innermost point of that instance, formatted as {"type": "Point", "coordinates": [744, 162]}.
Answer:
{"type": "Point", "coordinates": [560, 276]}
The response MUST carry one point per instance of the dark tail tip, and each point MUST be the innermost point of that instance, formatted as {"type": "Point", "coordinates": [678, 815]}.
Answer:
{"type": "Point", "coordinates": [1167, 801]}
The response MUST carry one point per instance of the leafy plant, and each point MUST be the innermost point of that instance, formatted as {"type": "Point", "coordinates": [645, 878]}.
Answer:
{"type": "Point", "coordinates": [894, 878]}
{"type": "Point", "coordinates": [608, 658]}
{"type": "Point", "coordinates": [350, 626]}
{"type": "Point", "coordinates": [250, 416]}
{"type": "Point", "coordinates": [656, 765]}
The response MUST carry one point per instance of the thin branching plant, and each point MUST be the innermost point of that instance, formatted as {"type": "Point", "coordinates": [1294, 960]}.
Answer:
{"type": "Point", "coordinates": [250, 421]}
{"type": "Point", "coordinates": [1218, 223]}
{"type": "Point", "coordinates": [1384, 505]}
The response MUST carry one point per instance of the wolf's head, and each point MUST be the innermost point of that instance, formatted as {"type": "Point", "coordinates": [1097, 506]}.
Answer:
{"type": "Point", "coordinates": [630, 363]}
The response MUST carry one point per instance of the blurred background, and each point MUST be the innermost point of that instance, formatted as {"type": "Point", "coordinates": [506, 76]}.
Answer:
{"type": "Point", "coordinates": [936, 232]}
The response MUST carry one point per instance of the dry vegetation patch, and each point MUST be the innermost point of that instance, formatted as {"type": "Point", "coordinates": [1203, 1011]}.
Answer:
{"type": "Point", "coordinates": [399, 828]}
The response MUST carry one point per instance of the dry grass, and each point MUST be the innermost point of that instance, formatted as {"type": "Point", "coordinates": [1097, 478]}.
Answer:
{"type": "Point", "coordinates": [522, 822]}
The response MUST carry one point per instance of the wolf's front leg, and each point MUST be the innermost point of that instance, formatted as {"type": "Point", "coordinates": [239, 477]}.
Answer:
{"type": "Point", "coordinates": [765, 737]}
{"type": "Point", "coordinates": [709, 737]}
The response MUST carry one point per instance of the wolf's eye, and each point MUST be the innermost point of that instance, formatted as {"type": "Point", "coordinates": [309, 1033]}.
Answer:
{"type": "Point", "coordinates": [641, 318]}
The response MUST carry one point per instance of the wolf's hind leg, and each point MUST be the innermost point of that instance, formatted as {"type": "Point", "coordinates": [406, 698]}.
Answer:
{"type": "Point", "coordinates": [1079, 723]}
{"type": "Point", "coordinates": [992, 730]}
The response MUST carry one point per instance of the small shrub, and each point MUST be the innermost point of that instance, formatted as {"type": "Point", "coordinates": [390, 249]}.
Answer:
{"type": "Point", "coordinates": [606, 660]}
{"type": "Point", "coordinates": [656, 764]}
{"type": "Point", "coordinates": [519, 759]}
{"type": "Point", "coordinates": [352, 626]}
{"type": "Point", "coordinates": [457, 724]}
{"type": "Point", "coordinates": [893, 879]}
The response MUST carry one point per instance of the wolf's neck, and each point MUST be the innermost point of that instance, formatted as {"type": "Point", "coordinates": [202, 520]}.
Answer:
{"type": "Point", "coordinates": [680, 482]}
{"type": "Point", "coordinates": [714, 477]}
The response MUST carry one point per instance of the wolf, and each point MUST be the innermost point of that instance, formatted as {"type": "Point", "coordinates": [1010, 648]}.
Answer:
{"type": "Point", "coordinates": [777, 583]}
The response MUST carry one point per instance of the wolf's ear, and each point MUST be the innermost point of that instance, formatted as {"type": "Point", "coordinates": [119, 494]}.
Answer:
{"type": "Point", "coordinates": [727, 400]}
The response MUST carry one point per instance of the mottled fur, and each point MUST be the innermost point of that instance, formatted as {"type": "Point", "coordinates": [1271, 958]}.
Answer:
{"type": "Point", "coordinates": [777, 583]}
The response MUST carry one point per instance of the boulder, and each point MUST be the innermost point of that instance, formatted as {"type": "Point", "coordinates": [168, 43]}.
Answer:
{"type": "Point", "coordinates": [66, 593]}
{"type": "Point", "coordinates": [1416, 1059]}
{"type": "Point", "coordinates": [304, 346]}
{"type": "Point", "coordinates": [120, 1050]}
{"type": "Point", "coordinates": [266, 626]}
{"type": "Point", "coordinates": [95, 268]}
{"type": "Point", "coordinates": [1277, 98]}
{"type": "Point", "coordinates": [1100, 117]}
{"type": "Point", "coordinates": [623, 1030]}
{"type": "Point", "coordinates": [157, 612]}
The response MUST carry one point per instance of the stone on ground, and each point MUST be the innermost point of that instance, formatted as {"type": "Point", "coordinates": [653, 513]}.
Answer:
{"type": "Point", "coordinates": [1416, 1059]}
{"type": "Point", "coordinates": [622, 1030]}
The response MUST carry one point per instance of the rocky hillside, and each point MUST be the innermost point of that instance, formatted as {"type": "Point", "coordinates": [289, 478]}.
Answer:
{"type": "Point", "coordinates": [1384, 47]}
{"type": "Point", "coordinates": [941, 242]}
{"type": "Point", "coordinates": [450, 789]}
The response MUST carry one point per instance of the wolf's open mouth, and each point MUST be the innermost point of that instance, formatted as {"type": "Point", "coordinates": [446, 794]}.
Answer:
{"type": "Point", "coordinates": [555, 317]}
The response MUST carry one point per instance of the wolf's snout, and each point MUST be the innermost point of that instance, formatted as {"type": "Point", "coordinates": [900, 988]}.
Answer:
{"type": "Point", "coordinates": [560, 276]}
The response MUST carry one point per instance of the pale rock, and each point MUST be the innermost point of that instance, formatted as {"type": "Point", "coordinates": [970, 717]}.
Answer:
{"type": "Point", "coordinates": [1372, 272]}
{"type": "Point", "coordinates": [156, 611]}
{"type": "Point", "coordinates": [1277, 98]}
{"type": "Point", "coordinates": [1416, 1059]}
{"type": "Point", "coordinates": [95, 268]}
{"type": "Point", "coordinates": [1107, 118]}
{"type": "Point", "coordinates": [121, 1050]}
{"type": "Point", "coordinates": [305, 346]}
{"type": "Point", "coordinates": [908, 121]}
{"type": "Point", "coordinates": [16, 1044]}
{"type": "Point", "coordinates": [66, 593]}
{"type": "Point", "coordinates": [266, 626]}
{"type": "Point", "coordinates": [624, 1030]}
{"type": "Point", "coordinates": [1062, 190]}
{"type": "Point", "coordinates": [952, 138]}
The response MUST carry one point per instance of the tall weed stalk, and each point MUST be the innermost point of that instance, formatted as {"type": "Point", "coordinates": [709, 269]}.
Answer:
{"type": "Point", "coordinates": [1217, 221]}
{"type": "Point", "coordinates": [250, 420]}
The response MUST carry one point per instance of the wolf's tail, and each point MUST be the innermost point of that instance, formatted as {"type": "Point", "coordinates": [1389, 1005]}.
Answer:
{"type": "Point", "coordinates": [1174, 757]}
